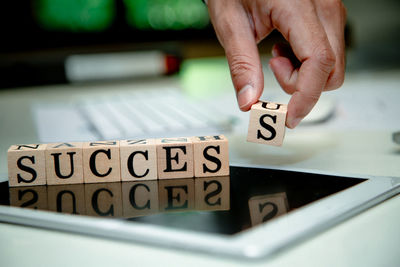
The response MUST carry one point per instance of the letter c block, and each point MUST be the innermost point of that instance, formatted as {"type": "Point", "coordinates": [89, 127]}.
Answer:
{"type": "Point", "coordinates": [101, 162]}
{"type": "Point", "coordinates": [267, 123]}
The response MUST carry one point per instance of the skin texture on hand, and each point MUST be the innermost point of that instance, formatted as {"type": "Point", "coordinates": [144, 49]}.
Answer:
{"type": "Point", "coordinates": [313, 62]}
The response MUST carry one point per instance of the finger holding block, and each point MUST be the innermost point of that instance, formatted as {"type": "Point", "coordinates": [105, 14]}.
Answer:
{"type": "Point", "coordinates": [101, 162]}
{"type": "Point", "coordinates": [26, 165]}
{"type": "Point", "coordinates": [138, 160]}
{"type": "Point", "coordinates": [64, 163]}
{"type": "Point", "coordinates": [211, 156]}
{"type": "Point", "coordinates": [267, 123]}
{"type": "Point", "coordinates": [174, 158]}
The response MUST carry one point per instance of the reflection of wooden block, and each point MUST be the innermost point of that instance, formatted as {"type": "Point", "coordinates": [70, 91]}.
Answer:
{"type": "Point", "coordinates": [266, 207]}
{"type": "Point", "coordinates": [138, 160]}
{"type": "Point", "coordinates": [68, 199]}
{"type": "Point", "coordinates": [32, 197]}
{"type": "Point", "coordinates": [210, 155]}
{"type": "Point", "coordinates": [64, 163]}
{"type": "Point", "coordinates": [101, 162]}
{"type": "Point", "coordinates": [267, 123]}
{"type": "Point", "coordinates": [174, 158]}
{"type": "Point", "coordinates": [26, 165]}
{"type": "Point", "coordinates": [176, 195]}
{"type": "Point", "coordinates": [212, 193]}
{"type": "Point", "coordinates": [103, 200]}
{"type": "Point", "coordinates": [139, 198]}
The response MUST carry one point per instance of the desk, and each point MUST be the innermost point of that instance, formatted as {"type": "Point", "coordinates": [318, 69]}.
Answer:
{"type": "Point", "coordinates": [370, 239]}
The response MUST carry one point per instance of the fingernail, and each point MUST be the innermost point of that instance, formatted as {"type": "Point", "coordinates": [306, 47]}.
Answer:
{"type": "Point", "coordinates": [245, 96]}
{"type": "Point", "coordinates": [274, 53]}
{"type": "Point", "coordinates": [294, 122]}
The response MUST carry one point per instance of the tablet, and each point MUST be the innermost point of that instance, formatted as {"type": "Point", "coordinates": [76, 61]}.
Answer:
{"type": "Point", "coordinates": [252, 213]}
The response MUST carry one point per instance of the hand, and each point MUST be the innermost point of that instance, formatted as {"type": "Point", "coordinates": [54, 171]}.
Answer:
{"type": "Point", "coordinates": [314, 61]}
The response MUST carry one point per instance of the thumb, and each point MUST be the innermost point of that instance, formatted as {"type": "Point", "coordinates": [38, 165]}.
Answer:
{"type": "Point", "coordinates": [236, 35]}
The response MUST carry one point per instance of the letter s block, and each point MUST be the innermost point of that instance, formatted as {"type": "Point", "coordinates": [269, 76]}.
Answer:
{"type": "Point", "coordinates": [101, 162]}
{"type": "Point", "coordinates": [64, 163]}
{"type": "Point", "coordinates": [267, 123]}
{"type": "Point", "coordinates": [211, 156]}
{"type": "Point", "coordinates": [174, 158]}
{"type": "Point", "coordinates": [138, 160]}
{"type": "Point", "coordinates": [26, 165]}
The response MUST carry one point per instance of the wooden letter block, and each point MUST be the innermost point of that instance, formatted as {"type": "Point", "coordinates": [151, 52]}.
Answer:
{"type": "Point", "coordinates": [176, 195]}
{"type": "Point", "coordinates": [211, 156]}
{"type": "Point", "coordinates": [138, 160]}
{"type": "Point", "coordinates": [26, 165]}
{"type": "Point", "coordinates": [64, 163]}
{"type": "Point", "coordinates": [101, 162]}
{"type": "Point", "coordinates": [104, 200]}
{"type": "Point", "coordinates": [212, 193]}
{"type": "Point", "coordinates": [266, 207]}
{"type": "Point", "coordinates": [68, 199]}
{"type": "Point", "coordinates": [267, 123]}
{"type": "Point", "coordinates": [31, 197]}
{"type": "Point", "coordinates": [174, 158]}
{"type": "Point", "coordinates": [139, 198]}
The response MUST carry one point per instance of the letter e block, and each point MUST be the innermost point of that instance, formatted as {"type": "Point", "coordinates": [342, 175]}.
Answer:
{"type": "Point", "coordinates": [267, 123]}
{"type": "Point", "coordinates": [101, 162]}
{"type": "Point", "coordinates": [174, 158]}
{"type": "Point", "coordinates": [64, 163]}
{"type": "Point", "coordinates": [138, 160]}
{"type": "Point", "coordinates": [26, 165]}
{"type": "Point", "coordinates": [211, 156]}
{"type": "Point", "coordinates": [176, 195]}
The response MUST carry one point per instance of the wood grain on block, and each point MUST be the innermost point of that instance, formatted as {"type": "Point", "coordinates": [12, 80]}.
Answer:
{"type": "Point", "coordinates": [267, 123]}
{"type": "Point", "coordinates": [101, 162]}
{"type": "Point", "coordinates": [174, 158]}
{"type": "Point", "coordinates": [68, 199]}
{"type": "Point", "coordinates": [212, 193]}
{"type": "Point", "coordinates": [64, 163]}
{"type": "Point", "coordinates": [176, 195]}
{"type": "Point", "coordinates": [211, 155]}
{"type": "Point", "coordinates": [138, 160]}
{"type": "Point", "coordinates": [139, 198]}
{"type": "Point", "coordinates": [31, 197]}
{"type": "Point", "coordinates": [26, 165]}
{"type": "Point", "coordinates": [104, 200]}
{"type": "Point", "coordinates": [266, 207]}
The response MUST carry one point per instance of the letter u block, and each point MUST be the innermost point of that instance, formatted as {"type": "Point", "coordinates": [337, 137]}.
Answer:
{"type": "Point", "coordinates": [138, 160]}
{"type": "Point", "coordinates": [267, 123]}
{"type": "Point", "coordinates": [174, 158]}
{"type": "Point", "coordinates": [101, 162]}
{"type": "Point", "coordinates": [211, 156]}
{"type": "Point", "coordinates": [64, 163]}
{"type": "Point", "coordinates": [26, 165]}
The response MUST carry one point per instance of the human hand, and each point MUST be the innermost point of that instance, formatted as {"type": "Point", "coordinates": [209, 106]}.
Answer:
{"type": "Point", "coordinates": [314, 61]}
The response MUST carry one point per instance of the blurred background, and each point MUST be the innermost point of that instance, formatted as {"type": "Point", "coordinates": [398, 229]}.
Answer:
{"type": "Point", "coordinates": [38, 37]}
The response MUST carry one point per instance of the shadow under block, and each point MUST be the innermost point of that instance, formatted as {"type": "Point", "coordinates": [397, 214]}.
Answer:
{"type": "Point", "coordinates": [101, 162]}
{"type": "Point", "coordinates": [212, 193]}
{"type": "Point", "coordinates": [267, 123]}
{"type": "Point", "coordinates": [68, 199]}
{"type": "Point", "coordinates": [176, 195]}
{"type": "Point", "coordinates": [104, 200]}
{"type": "Point", "coordinates": [138, 160]}
{"type": "Point", "coordinates": [31, 197]}
{"type": "Point", "coordinates": [174, 158]}
{"type": "Point", "coordinates": [210, 155]}
{"type": "Point", "coordinates": [26, 165]}
{"type": "Point", "coordinates": [266, 207]}
{"type": "Point", "coordinates": [139, 198]}
{"type": "Point", "coordinates": [64, 163]}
